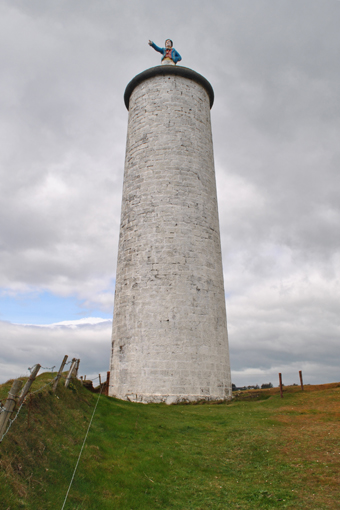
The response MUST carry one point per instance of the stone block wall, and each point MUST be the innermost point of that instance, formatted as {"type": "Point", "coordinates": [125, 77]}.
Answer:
{"type": "Point", "coordinates": [169, 339]}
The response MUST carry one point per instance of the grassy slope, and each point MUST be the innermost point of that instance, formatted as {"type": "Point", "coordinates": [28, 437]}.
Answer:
{"type": "Point", "coordinates": [262, 452]}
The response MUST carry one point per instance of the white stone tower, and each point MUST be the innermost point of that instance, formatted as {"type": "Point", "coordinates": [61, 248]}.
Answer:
{"type": "Point", "coordinates": [169, 339]}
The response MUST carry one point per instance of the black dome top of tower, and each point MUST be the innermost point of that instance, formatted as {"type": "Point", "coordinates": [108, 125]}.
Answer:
{"type": "Point", "coordinates": [185, 72]}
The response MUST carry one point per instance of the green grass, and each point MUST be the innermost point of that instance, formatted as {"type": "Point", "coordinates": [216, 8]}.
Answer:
{"type": "Point", "coordinates": [260, 452]}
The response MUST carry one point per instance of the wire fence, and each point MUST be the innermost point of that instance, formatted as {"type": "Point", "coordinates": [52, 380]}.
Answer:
{"type": "Point", "coordinates": [12, 421]}
{"type": "Point", "coordinates": [72, 373]}
{"type": "Point", "coordinates": [82, 448]}
{"type": "Point", "coordinates": [22, 399]}
{"type": "Point", "coordinates": [50, 369]}
{"type": "Point", "coordinates": [42, 387]}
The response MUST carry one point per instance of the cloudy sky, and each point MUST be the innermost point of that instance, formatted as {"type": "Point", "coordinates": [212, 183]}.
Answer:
{"type": "Point", "coordinates": [274, 66]}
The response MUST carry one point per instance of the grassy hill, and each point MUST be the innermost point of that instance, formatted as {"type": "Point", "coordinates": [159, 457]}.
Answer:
{"type": "Point", "coordinates": [259, 451]}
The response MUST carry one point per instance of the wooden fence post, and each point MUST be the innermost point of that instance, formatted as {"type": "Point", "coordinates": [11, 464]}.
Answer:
{"type": "Point", "coordinates": [55, 384]}
{"type": "Point", "coordinates": [70, 372]}
{"type": "Point", "coordinates": [280, 379]}
{"type": "Point", "coordinates": [76, 367]}
{"type": "Point", "coordinates": [301, 380]}
{"type": "Point", "coordinates": [9, 406]}
{"type": "Point", "coordinates": [100, 382]}
{"type": "Point", "coordinates": [28, 384]}
{"type": "Point", "coordinates": [107, 383]}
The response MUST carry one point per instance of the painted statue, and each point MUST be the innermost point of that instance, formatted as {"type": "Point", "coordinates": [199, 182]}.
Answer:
{"type": "Point", "coordinates": [170, 55]}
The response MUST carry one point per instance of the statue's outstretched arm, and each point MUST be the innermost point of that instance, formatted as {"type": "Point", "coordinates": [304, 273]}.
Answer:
{"type": "Point", "coordinates": [155, 47]}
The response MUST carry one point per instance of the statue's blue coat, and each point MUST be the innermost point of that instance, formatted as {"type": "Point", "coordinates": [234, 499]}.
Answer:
{"type": "Point", "coordinates": [176, 57]}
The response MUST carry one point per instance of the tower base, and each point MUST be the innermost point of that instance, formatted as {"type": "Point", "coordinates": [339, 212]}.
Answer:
{"type": "Point", "coordinates": [171, 399]}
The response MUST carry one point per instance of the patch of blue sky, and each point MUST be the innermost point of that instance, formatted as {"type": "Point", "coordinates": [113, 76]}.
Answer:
{"type": "Point", "coordinates": [44, 308]}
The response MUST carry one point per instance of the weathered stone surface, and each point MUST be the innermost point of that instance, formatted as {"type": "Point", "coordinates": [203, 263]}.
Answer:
{"type": "Point", "coordinates": [169, 339]}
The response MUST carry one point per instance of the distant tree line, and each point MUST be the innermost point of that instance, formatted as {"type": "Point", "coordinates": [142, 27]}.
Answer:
{"type": "Point", "coordinates": [256, 387]}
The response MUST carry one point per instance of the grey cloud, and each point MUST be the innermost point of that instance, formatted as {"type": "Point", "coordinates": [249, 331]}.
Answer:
{"type": "Point", "coordinates": [27, 345]}
{"type": "Point", "coordinates": [273, 66]}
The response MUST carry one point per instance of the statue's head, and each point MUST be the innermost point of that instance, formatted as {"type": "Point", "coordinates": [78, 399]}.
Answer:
{"type": "Point", "coordinates": [169, 43]}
